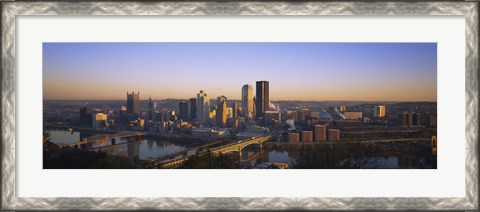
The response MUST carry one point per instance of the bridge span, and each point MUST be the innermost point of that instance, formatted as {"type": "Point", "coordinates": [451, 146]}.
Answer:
{"type": "Point", "coordinates": [233, 147]}
{"type": "Point", "coordinates": [102, 137]}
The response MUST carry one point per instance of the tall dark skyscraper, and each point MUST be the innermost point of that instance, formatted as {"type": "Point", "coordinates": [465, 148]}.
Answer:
{"type": "Point", "coordinates": [261, 98]}
{"type": "Point", "coordinates": [86, 116]}
{"type": "Point", "coordinates": [150, 109]}
{"type": "Point", "coordinates": [192, 109]}
{"type": "Point", "coordinates": [182, 110]}
{"type": "Point", "coordinates": [133, 103]}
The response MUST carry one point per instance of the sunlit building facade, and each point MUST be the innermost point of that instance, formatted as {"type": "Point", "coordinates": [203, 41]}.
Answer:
{"type": "Point", "coordinates": [307, 136]}
{"type": "Point", "coordinates": [235, 109]}
{"type": "Point", "coordinates": [247, 101]}
{"type": "Point", "coordinates": [320, 133]}
{"type": "Point", "coordinates": [333, 135]}
{"type": "Point", "coordinates": [379, 111]}
{"type": "Point", "coordinates": [294, 137]}
{"type": "Point", "coordinates": [221, 117]}
{"type": "Point", "coordinates": [99, 120]}
{"type": "Point", "coordinates": [230, 112]}
{"type": "Point", "coordinates": [352, 115]}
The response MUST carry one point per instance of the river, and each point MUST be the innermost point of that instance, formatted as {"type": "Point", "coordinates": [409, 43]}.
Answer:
{"type": "Point", "coordinates": [144, 149]}
{"type": "Point", "coordinates": [152, 148]}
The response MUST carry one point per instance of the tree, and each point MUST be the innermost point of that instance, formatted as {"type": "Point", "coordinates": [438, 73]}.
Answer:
{"type": "Point", "coordinates": [209, 160]}
{"type": "Point", "coordinates": [337, 156]}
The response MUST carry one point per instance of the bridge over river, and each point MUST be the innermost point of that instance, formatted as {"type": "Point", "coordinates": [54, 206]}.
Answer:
{"type": "Point", "coordinates": [102, 137]}
{"type": "Point", "coordinates": [232, 147]}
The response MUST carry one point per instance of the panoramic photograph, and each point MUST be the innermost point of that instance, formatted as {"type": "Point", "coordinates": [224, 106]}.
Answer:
{"type": "Point", "coordinates": [239, 105]}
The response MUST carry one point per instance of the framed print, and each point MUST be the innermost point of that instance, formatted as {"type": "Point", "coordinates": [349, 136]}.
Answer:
{"type": "Point", "coordinates": [197, 105]}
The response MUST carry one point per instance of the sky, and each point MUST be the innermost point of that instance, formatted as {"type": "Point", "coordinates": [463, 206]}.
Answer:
{"type": "Point", "coordinates": [296, 71]}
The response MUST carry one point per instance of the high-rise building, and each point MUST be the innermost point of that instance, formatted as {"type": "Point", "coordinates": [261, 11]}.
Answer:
{"type": "Point", "coordinates": [307, 136]}
{"type": "Point", "coordinates": [150, 109]}
{"type": "Point", "coordinates": [221, 115]}
{"type": "Point", "coordinates": [320, 133]}
{"type": "Point", "coordinates": [212, 117]}
{"type": "Point", "coordinates": [235, 109]}
{"type": "Point", "coordinates": [247, 101]}
{"type": "Point", "coordinates": [221, 98]}
{"type": "Point", "coordinates": [254, 107]}
{"type": "Point", "coordinates": [229, 112]}
{"type": "Point", "coordinates": [379, 111]}
{"type": "Point", "coordinates": [333, 135]}
{"type": "Point", "coordinates": [203, 107]}
{"type": "Point", "coordinates": [86, 116]}
{"type": "Point", "coordinates": [262, 98]}
{"type": "Point", "coordinates": [294, 137]}
{"type": "Point", "coordinates": [342, 108]}
{"type": "Point", "coordinates": [133, 103]}
{"type": "Point", "coordinates": [192, 109]}
{"type": "Point", "coordinates": [182, 110]}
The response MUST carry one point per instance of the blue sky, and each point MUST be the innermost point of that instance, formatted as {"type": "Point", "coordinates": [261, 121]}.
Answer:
{"type": "Point", "coordinates": [296, 71]}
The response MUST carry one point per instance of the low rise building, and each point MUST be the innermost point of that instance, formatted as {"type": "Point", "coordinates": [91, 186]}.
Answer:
{"type": "Point", "coordinates": [320, 133]}
{"type": "Point", "coordinates": [99, 120]}
{"type": "Point", "coordinates": [352, 115]}
{"type": "Point", "coordinates": [307, 136]}
{"type": "Point", "coordinates": [333, 135]}
{"type": "Point", "coordinates": [294, 137]}
{"type": "Point", "coordinates": [273, 118]}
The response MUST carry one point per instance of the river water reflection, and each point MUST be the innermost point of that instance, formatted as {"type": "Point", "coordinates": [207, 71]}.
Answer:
{"type": "Point", "coordinates": [143, 149]}
{"type": "Point", "coordinates": [64, 137]}
{"type": "Point", "coordinates": [152, 148]}
{"type": "Point", "coordinates": [395, 161]}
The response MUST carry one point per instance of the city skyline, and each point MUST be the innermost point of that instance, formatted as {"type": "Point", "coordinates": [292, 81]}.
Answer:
{"type": "Point", "coordinates": [296, 71]}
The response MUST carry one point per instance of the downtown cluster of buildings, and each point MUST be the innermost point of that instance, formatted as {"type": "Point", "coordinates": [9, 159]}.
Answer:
{"type": "Point", "coordinates": [320, 134]}
{"type": "Point", "coordinates": [197, 115]}
{"type": "Point", "coordinates": [253, 115]}
{"type": "Point", "coordinates": [222, 114]}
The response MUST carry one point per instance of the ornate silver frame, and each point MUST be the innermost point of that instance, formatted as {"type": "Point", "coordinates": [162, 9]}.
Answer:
{"type": "Point", "coordinates": [11, 9]}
